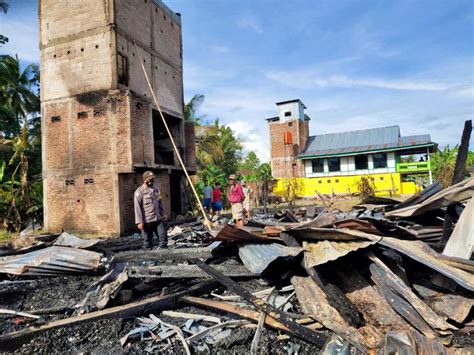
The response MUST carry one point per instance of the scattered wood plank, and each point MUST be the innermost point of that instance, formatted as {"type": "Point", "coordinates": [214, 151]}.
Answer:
{"type": "Point", "coordinates": [335, 296]}
{"type": "Point", "coordinates": [20, 314]}
{"type": "Point", "coordinates": [313, 301]}
{"type": "Point", "coordinates": [400, 305]}
{"type": "Point", "coordinates": [313, 337]}
{"type": "Point", "coordinates": [398, 286]}
{"type": "Point", "coordinates": [375, 309]}
{"type": "Point", "coordinates": [187, 271]}
{"type": "Point", "coordinates": [166, 254]}
{"type": "Point", "coordinates": [224, 307]}
{"type": "Point", "coordinates": [261, 323]}
{"type": "Point", "coordinates": [11, 341]}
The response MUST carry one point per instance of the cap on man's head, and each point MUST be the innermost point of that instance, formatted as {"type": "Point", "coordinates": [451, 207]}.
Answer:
{"type": "Point", "coordinates": [148, 175]}
{"type": "Point", "coordinates": [232, 177]}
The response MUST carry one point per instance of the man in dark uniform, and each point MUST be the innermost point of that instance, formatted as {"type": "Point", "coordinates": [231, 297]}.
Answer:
{"type": "Point", "coordinates": [150, 215]}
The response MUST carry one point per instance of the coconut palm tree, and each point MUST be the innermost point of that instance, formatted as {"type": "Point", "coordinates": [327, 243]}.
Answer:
{"type": "Point", "coordinates": [4, 6]}
{"type": "Point", "coordinates": [18, 87]}
{"type": "Point", "coordinates": [191, 107]}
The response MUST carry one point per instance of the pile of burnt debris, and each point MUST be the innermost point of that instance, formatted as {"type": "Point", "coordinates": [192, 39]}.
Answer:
{"type": "Point", "coordinates": [386, 277]}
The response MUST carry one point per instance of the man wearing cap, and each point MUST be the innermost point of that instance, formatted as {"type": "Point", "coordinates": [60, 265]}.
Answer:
{"type": "Point", "coordinates": [236, 196]}
{"type": "Point", "coordinates": [150, 215]}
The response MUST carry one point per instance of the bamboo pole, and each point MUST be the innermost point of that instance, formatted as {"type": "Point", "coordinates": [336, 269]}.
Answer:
{"type": "Point", "coordinates": [204, 214]}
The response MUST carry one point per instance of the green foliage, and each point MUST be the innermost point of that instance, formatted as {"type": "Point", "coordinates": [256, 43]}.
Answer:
{"type": "Point", "coordinates": [366, 187]}
{"type": "Point", "coordinates": [249, 168]}
{"type": "Point", "coordinates": [20, 183]}
{"type": "Point", "coordinates": [218, 147]}
{"type": "Point", "coordinates": [191, 107]}
{"type": "Point", "coordinates": [18, 87]}
{"type": "Point", "coordinates": [443, 162]}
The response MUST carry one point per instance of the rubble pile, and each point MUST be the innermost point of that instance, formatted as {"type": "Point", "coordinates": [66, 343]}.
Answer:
{"type": "Point", "coordinates": [386, 276]}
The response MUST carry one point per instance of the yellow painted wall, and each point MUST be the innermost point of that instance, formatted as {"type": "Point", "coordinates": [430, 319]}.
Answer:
{"type": "Point", "coordinates": [385, 185]}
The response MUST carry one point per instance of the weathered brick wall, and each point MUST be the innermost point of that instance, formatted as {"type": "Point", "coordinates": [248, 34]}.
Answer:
{"type": "Point", "coordinates": [190, 159]}
{"type": "Point", "coordinates": [87, 131]}
{"type": "Point", "coordinates": [283, 156]}
{"type": "Point", "coordinates": [128, 183]}
{"type": "Point", "coordinates": [88, 206]}
{"type": "Point", "coordinates": [85, 137]}
{"type": "Point", "coordinates": [142, 131]}
{"type": "Point", "coordinates": [55, 123]}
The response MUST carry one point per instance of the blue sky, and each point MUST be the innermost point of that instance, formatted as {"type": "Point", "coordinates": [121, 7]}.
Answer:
{"type": "Point", "coordinates": [355, 64]}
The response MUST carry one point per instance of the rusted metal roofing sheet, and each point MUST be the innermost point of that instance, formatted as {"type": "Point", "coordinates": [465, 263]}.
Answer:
{"type": "Point", "coordinates": [229, 233]}
{"type": "Point", "coordinates": [51, 261]}
{"type": "Point", "coordinates": [353, 142]}
{"type": "Point", "coordinates": [321, 252]}
{"type": "Point", "coordinates": [257, 257]}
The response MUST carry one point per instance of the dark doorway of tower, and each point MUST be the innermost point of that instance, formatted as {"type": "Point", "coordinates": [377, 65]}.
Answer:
{"type": "Point", "coordinates": [164, 153]}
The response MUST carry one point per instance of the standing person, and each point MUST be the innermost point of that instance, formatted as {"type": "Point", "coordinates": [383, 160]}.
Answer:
{"type": "Point", "coordinates": [236, 196]}
{"type": "Point", "coordinates": [207, 192]}
{"type": "Point", "coordinates": [217, 199]}
{"type": "Point", "coordinates": [150, 215]}
{"type": "Point", "coordinates": [248, 192]}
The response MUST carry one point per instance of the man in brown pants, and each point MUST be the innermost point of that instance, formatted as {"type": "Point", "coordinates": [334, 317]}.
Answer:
{"type": "Point", "coordinates": [150, 215]}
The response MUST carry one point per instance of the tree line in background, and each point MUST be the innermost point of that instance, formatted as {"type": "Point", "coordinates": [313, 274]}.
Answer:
{"type": "Point", "coordinates": [219, 153]}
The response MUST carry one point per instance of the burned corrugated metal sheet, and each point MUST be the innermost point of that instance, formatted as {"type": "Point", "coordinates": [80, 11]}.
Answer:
{"type": "Point", "coordinates": [257, 257]}
{"type": "Point", "coordinates": [240, 235]}
{"type": "Point", "coordinates": [461, 242]}
{"type": "Point", "coordinates": [456, 193]}
{"type": "Point", "coordinates": [51, 261]}
{"type": "Point", "coordinates": [69, 240]}
{"type": "Point", "coordinates": [321, 252]}
{"type": "Point", "coordinates": [422, 253]}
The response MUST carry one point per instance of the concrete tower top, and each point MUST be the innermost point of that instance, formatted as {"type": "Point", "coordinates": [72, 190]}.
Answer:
{"type": "Point", "coordinates": [291, 110]}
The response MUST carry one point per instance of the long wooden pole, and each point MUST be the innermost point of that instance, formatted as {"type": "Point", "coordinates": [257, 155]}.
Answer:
{"type": "Point", "coordinates": [204, 214]}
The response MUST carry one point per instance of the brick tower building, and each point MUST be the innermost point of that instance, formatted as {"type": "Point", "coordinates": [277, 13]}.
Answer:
{"type": "Point", "coordinates": [100, 128]}
{"type": "Point", "coordinates": [289, 133]}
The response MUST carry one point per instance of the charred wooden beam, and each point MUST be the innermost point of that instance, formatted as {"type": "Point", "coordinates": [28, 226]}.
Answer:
{"type": "Point", "coordinates": [166, 254]}
{"type": "Point", "coordinates": [313, 337]}
{"type": "Point", "coordinates": [400, 305]}
{"type": "Point", "coordinates": [187, 271]}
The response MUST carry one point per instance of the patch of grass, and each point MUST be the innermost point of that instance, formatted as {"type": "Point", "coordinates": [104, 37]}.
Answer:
{"type": "Point", "coordinates": [5, 236]}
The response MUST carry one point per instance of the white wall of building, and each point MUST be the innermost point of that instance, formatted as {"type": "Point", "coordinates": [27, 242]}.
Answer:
{"type": "Point", "coordinates": [348, 167]}
{"type": "Point", "coordinates": [296, 109]}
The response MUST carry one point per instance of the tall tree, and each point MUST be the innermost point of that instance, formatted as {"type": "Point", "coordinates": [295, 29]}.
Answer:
{"type": "Point", "coordinates": [218, 146]}
{"type": "Point", "coordinates": [250, 166]}
{"type": "Point", "coordinates": [191, 108]}
{"type": "Point", "coordinates": [18, 88]}
{"type": "Point", "coordinates": [3, 8]}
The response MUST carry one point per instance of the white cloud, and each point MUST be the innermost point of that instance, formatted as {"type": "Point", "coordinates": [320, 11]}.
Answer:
{"type": "Point", "coordinates": [199, 77]}
{"type": "Point", "coordinates": [23, 38]}
{"type": "Point", "coordinates": [310, 79]}
{"type": "Point", "coordinates": [219, 49]}
{"type": "Point", "coordinates": [251, 138]}
{"type": "Point", "coordinates": [251, 24]}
